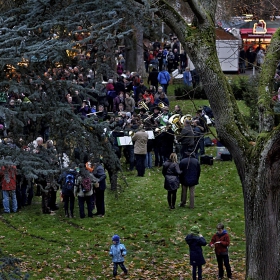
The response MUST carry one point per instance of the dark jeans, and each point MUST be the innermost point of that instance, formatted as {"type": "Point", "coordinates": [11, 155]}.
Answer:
{"type": "Point", "coordinates": [200, 150]}
{"type": "Point", "coordinates": [223, 259]}
{"type": "Point", "coordinates": [89, 202]}
{"type": "Point", "coordinates": [164, 88]}
{"type": "Point", "coordinates": [69, 198]}
{"type": "Point", "coordinates": [129, 156]}
{"type": "Point", "coordinates": [158, 156]}
{"type": "Point", "coordinates": [171, 198]}
{"type": "Point", "coordinates": [199, 272]}
{"type": "Point", "coordinates": [115, 269]}
{"type": "Point", "coordinates": [140, 164]}
{"type": "Point", "coordinates": [99, 201]}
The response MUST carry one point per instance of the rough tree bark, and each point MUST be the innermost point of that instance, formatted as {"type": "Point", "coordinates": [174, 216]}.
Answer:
{"type": "Point", "coordinates": [257, 165]}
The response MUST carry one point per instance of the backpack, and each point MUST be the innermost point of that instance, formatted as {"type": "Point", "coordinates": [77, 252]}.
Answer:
{"type": "Point", "coordinates": [69, 182]}
{"type": "Point", "coordinates": [86, 184]}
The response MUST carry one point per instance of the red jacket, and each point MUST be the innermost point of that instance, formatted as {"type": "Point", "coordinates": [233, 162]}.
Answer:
{"type": "Point", "coordinates": [221, 248]}
{"type": "Point", "coordinates": [8, 177]}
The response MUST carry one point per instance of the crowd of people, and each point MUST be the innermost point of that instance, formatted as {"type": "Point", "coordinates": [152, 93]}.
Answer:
{"type": "Point", "coordinates": [128, 107]}
{"type": "Point", "coordinates": [251, 57]}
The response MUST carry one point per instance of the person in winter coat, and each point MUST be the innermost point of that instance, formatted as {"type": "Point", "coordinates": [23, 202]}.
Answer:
{"type": "Point", "coordinates": [220, 241]}
{"type": "Point", "coordinates": [84, 192]}
{"type": "Point", "coordinates": [189, 177]}
{"type": "Point", "coordinates": [117, 252]}
{"type": "Point", "coordinates": [187, 77]}
{"type": "Point", "coordinates": [152, 78]}
{"type": "Point", "coordinates": [129, 102]}
{"type": "Point", "coordinates": [99, 173]}
{"type": "Point", "coordinates": [171, 172]}
{"type": "Point", "coordinates": [164, 79]}
{"type": "Point", "coordinates": [8, 182]}
{"type": "Point", "coordinates": [195, 242]}
{"type": "Point", "coordinates": [140, 140]}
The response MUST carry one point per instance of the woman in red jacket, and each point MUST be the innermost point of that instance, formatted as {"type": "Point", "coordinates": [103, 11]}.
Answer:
{"type": "Point", "coordinates": [8, 182]}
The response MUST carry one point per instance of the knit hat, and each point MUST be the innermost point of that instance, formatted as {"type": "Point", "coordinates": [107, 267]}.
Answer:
{"type": "Point", "coordinates": [195, 230]}
{"type": "Point", "coordinates": [116, 238]}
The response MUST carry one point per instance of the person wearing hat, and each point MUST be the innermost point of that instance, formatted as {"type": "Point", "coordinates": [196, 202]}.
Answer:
{"type": "Point", "coordinates": [195, 241]}
{"type": "Point", "coordinates": [164, 116]}
{"type": "Point", "coordinates": [117, 252]}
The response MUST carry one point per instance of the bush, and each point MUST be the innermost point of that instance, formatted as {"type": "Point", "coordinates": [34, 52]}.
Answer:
{"type": "Point", "coordinates": [239, 86]}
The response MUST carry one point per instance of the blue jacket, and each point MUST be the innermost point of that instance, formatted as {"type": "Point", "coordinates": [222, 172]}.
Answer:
{"type": "Point", "coordinates": [163, 77]}
{"type": "Point", "coordinates": [196, 254]}
{"type": "Point", "coordinates": [117, 252]}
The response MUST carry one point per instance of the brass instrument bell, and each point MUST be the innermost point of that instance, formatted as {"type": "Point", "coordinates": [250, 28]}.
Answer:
{"type": "Point", "coordinates": [176, 123]}
{"type": "Point", "coordinates": [142, 104]}
{"type": "Point", "coordinates": [161, 105]}
{"type": "Point", "coordinates": [185, 117]}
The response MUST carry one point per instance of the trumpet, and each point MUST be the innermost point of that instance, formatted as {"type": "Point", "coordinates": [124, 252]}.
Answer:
{"type": "Point", "coordinates": [148, 118]}
{"type": "Point", "coordinates": [158, 117]}
{"type": "Point", "coordinates": [142, 104]}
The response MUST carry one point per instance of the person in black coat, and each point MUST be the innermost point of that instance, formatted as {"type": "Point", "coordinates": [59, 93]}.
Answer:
{"type": "Point", "coordinates": [100, 174]}
{"type": "Point", "coordinates": [171, 173]}
{"type": "Point", "coordinates": [195, 241]}
{"type": "Point", "coordinates": [152, 79]}
{"type": "Point", "coordinates": [189, 177]}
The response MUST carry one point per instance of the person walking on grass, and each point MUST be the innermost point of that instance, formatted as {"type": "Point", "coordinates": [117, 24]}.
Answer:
{"type": "Point", "coordinates": [171, 172]}
{"type": "Point", "coordinates": [220, 241]}
{"type": "Point", "coordinates": [117, 252]}
{"type": "Point", "coordinates": [195, 242]}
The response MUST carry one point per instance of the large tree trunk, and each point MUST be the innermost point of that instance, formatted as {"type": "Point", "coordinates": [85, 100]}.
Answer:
{"type": "Point", "coordinates": [134, 51]}
{"type": "Point", "coordinates": [258, 166]}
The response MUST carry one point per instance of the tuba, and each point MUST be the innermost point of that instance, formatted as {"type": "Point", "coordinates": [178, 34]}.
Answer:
{"type": "Point", "coordinates": [185, 117]}
{"type": "Point", "coordinates": [176, 123]}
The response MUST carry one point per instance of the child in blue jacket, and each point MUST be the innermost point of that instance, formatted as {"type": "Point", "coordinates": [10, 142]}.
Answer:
{"type": "Point", "coordinates": [118, 251]}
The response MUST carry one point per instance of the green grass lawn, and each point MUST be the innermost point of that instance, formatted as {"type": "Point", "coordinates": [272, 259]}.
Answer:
{"type": "Point", "coordinates": [55, 247]}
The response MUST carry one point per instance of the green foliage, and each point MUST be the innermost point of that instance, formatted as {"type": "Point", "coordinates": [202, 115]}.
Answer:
{"type": "Point", "coordinates": [9, 268]}
{"type": "Point", "coordinates": [246, 88]}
